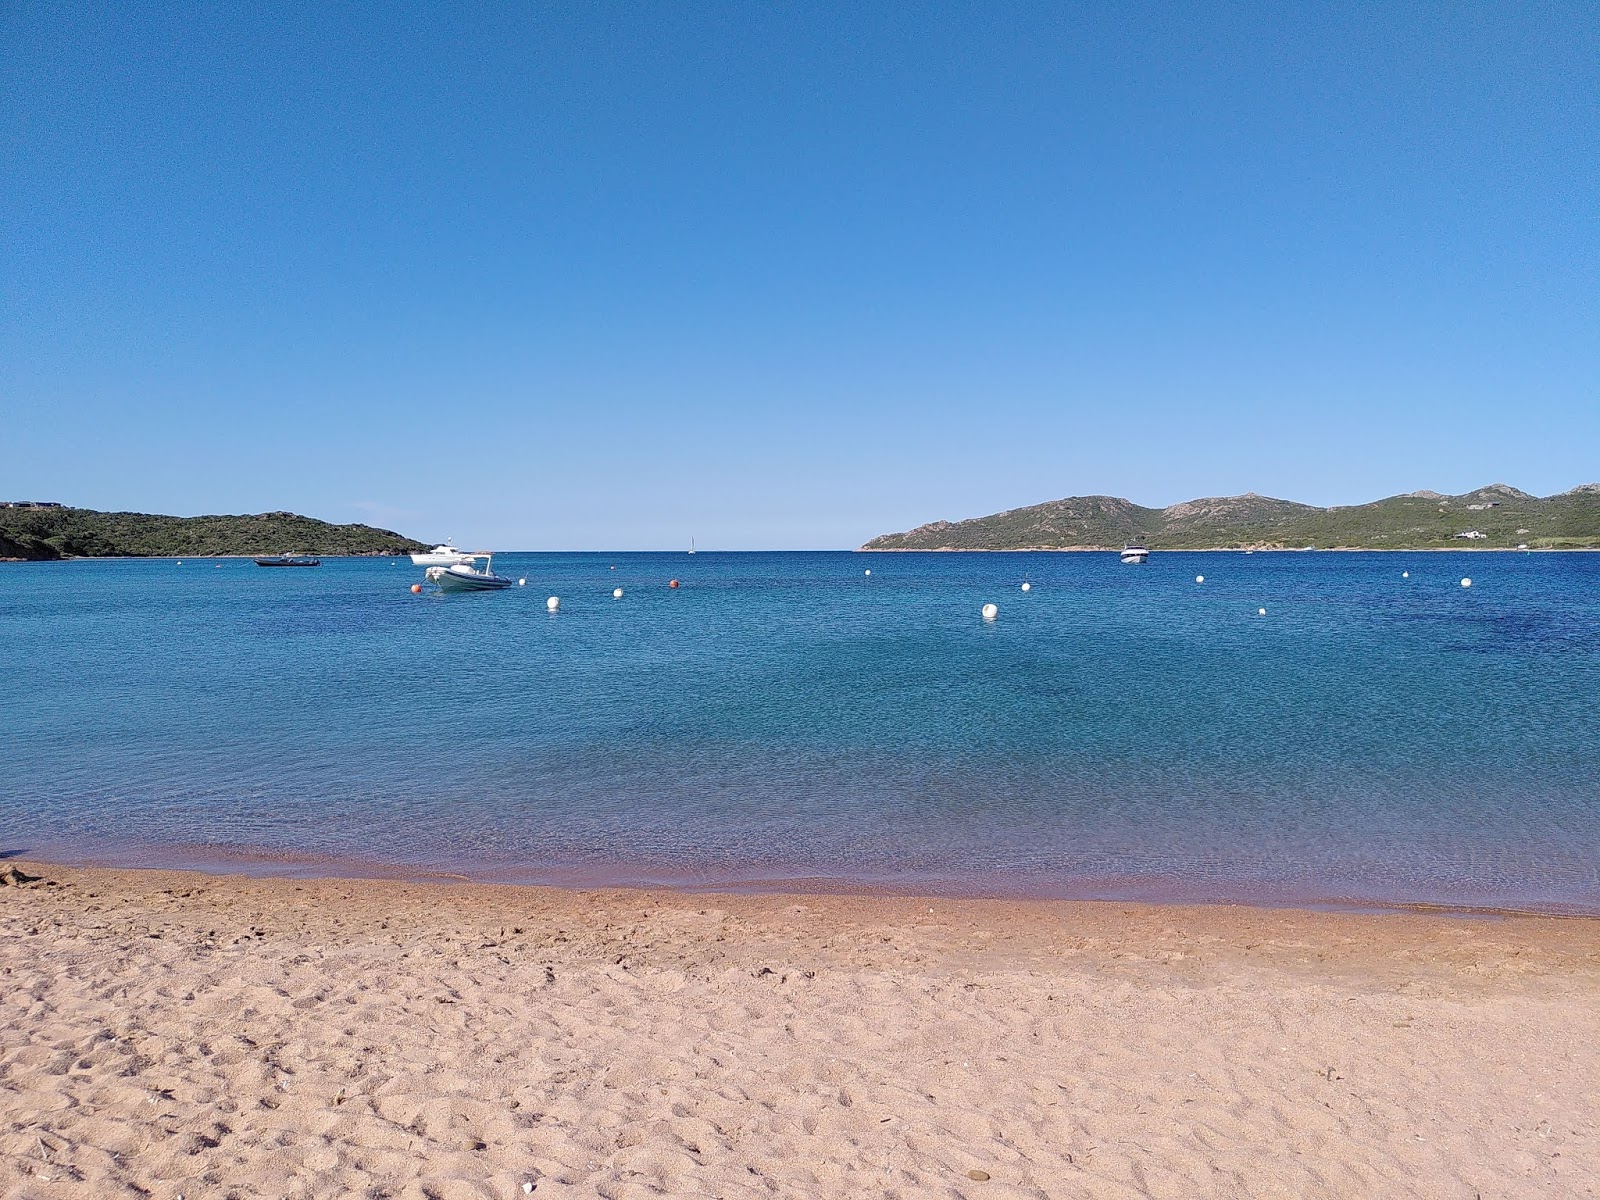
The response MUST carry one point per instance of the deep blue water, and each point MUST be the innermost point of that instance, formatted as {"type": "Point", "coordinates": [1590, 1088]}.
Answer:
{"type": "Point", "coordinates": [1119, 731]}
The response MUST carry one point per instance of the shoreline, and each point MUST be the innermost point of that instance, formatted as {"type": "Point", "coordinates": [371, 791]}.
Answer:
{"type": "Point", "coordinates": [1230, 550]}
{"type": "Point", "coordinates": [167, 558]}
{"type": "Point", "coordinates": [884, 550]}
{"type": "Point", "coordinates": [1416, 923]}
{"type": "Point", "coordinates": [175, 1032]}
{"type": "Point", "coordinates": [254, 863]}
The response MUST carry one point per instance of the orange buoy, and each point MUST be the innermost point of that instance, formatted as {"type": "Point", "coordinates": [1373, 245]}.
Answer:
{"type": "Point", "coordinates": [416, 589]}
{"type": "Point", "coordinates": [672, 583]}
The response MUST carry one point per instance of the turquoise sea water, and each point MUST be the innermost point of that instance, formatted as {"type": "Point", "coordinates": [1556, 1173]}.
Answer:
{"type": "Point", "coordinates": [785, 719]}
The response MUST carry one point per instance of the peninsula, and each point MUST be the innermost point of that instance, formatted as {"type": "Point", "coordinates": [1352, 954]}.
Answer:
{"type": "Point", "coordinates": [38, 531]}
{"type": "Point", "coordinates": [1497, 517]}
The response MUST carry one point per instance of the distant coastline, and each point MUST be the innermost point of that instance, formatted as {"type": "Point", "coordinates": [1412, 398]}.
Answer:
{"type": "Point", "coordinates": [251, 557]}
{"type": "Point", "coordinates": [870, 549]}
{"type": "Point", "coordinates": [35, 531]}
{"type": "Point", "coordinates": [1496, 517]}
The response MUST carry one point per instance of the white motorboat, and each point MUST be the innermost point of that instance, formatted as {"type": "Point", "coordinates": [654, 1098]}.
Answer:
{"type": "Point", "coordinates": [466, 577]}
{"type": "Point", "coordinates": [440, 556]}
{"type": "Point", "coordinates": [1134, 554]}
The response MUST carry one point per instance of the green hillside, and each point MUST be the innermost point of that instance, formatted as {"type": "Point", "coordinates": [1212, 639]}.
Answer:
{"type": "Point", "coordinates": [44, 534]}
{"type": "Point", "coordinates": [1493, 517]}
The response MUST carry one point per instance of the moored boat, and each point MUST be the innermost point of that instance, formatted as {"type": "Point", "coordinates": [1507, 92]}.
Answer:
{"type": "Point", "coordinates": [288, 560]}
{"type": "Point", "coordinates": [466, 577]}
{"type": "Point", "coordinates": [1134, 553]}
{"type": "Point", "coordinates": [445, 555]}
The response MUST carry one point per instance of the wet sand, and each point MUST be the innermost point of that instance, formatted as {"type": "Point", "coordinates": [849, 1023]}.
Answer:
{"type": "Point", "coordinates": [167, 1033]}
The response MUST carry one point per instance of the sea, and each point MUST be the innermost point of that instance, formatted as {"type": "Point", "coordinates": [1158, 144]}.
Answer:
{"type": "Point", "coordinates": [1351, 730]}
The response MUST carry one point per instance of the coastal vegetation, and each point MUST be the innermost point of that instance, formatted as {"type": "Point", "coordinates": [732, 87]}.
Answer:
{"type": "Point", "coordinates": [42, 533]}
{"type": "Point", "coordinates": [1493, 517]}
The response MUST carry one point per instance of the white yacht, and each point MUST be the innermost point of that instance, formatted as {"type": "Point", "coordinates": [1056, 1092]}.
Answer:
{"type": "Point", "coordinates": [440, 556]}
{"type": "Point", "coordinates": [464, 576]}
{"type": "Point", "coordinates": [1134, 553]}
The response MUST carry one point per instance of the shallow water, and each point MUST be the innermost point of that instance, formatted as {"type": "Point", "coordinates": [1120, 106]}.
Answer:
{"type": "Point", "coordinates": [1119, 731]}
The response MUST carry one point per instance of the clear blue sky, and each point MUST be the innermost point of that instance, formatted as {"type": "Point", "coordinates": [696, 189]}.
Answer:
{"type": "Point", "coordinates": [589, 275]}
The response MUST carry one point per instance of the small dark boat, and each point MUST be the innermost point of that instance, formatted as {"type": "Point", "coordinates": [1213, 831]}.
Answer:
{"type": "Point", "coordinates": [289, 560]}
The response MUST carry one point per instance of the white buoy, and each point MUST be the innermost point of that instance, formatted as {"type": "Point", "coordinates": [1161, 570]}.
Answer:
{"type": "Point", "coordinates": [1405, 574]}
{"type": "Point", "coordinates": [616, 594]}
{"type": "Point", "coordinates": [1199, 578]}
{"type": "Point", "coordinates": [991, 611]}
{"type": "Point", "coordinates": [1261, 612]}
{"type": "Point", "coordinates": [553, 603]}
{"type": "Point", "coordinates": [1027, 587]}
{"type": "Point", "coordinates": [868, 571]}
{"type": "Point", "coordinates": [523, 582]}
{"type": "Point", "coordinates": [1466, 583]}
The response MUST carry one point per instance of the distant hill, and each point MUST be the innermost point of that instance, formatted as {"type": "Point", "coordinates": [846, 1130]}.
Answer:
{"type": "Point", "coordinates": [1497, 516]}
{"type": "Point", "coordinates": [47, 532]}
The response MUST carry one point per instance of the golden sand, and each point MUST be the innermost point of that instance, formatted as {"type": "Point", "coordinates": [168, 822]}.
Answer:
{"type": "Point", "coordinates": [167, 1033]}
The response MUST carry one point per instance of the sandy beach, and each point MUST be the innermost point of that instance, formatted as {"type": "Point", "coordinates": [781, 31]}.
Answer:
{"type": "Point", "coordinates": [168, 1033]}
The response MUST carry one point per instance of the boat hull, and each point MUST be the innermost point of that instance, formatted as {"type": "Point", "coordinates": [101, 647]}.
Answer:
{"type": "Point", "coordinates": [279, 562]}
{"type": "Point", "coordinates": [452, 581]}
